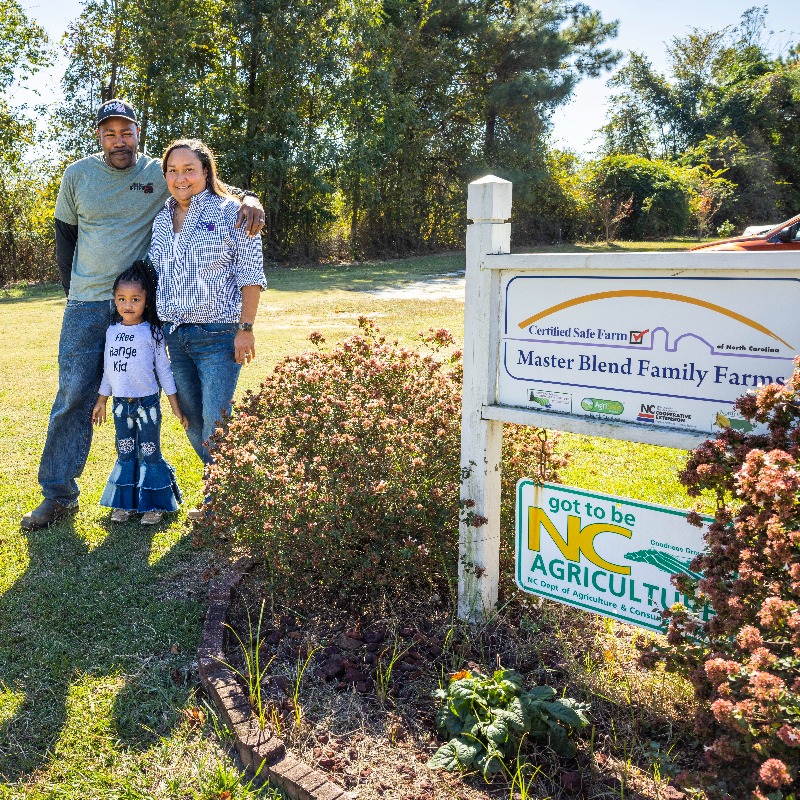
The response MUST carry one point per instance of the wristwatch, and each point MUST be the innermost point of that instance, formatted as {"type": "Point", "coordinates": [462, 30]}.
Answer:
{"type": "Point", "coordinates": [246, 326]}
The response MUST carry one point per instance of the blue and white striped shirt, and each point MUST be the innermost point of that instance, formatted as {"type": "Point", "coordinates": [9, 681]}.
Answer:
{"type": "Point", "coordinates": [200, 277]}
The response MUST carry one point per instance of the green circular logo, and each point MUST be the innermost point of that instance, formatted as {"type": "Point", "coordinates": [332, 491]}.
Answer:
{"type": "Point", "coordinates": [595, 406]}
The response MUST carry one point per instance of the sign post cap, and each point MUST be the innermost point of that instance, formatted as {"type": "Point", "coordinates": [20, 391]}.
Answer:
{"type": "Point", "coordinates": [489, 199]}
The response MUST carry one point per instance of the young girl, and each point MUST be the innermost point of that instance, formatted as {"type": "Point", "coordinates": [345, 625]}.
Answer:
{"type": "Point", "coordinates": [134, 357]}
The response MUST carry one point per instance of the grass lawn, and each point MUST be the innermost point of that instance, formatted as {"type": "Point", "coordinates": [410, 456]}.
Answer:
{"type": "Point", "coordinates": [99, 624]}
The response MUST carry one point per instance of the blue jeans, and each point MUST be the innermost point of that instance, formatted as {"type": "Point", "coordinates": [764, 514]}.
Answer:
{"type": "Point", "coordinates": [80, 369]}
{"type": "Point", "coordinates": [206, 372]}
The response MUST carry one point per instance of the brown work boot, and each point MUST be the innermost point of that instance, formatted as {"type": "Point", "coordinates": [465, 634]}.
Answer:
{"type": "Point", "coordinates": [45, 514]}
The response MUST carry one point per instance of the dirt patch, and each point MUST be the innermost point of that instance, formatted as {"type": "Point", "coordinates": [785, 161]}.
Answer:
{"type": "Point", "coordinates": [187, 578]}
{"type": "Point", "coordinates": [447, 286]}
{"type": "Point", "coordinates": [351, 695]}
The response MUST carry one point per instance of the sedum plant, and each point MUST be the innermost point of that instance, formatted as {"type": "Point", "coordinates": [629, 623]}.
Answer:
{"type": "Point", "coordinates": [486, 717]}
{"type": "Point", "coordinates": [745, 662]}
{"type": "Point", "coordinates": [342, 472]}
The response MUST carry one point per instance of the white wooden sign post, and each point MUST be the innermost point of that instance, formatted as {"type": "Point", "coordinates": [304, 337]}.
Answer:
{"type": "Point", "coordinates": [488, 206]}
{"type": "Point", "coordinates": [646, 347]}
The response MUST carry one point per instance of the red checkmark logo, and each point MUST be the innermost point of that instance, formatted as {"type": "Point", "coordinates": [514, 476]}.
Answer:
{"type": "Point", "coordinates": [637, 336]}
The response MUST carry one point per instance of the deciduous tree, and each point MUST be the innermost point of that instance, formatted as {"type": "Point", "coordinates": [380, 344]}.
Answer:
{"type": "Point", "coordinates": [24, 49]}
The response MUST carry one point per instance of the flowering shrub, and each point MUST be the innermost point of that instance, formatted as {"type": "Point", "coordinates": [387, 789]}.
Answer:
{"type": "Point", "coordinates": [745, 662]}
{"type": "Point", "coordinates": [342, 471]}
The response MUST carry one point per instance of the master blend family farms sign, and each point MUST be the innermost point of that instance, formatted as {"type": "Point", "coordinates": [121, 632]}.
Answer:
{"type": "Point", "coordinates": [609, 555]}
{"type": "Point", "coordinates": [673, 352]}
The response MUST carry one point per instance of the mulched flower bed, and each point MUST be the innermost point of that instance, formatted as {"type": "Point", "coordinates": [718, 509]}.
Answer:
{"type": "Point", "coordinates": [372, 727]}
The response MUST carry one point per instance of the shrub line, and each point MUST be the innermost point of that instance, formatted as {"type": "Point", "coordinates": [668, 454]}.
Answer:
{"type": "Point", "coordinates": [261, 753]}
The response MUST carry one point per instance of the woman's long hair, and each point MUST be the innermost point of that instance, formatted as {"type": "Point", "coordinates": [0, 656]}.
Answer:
{"type": "Point", "coordinates": [206, 157]}
{"type": "Point", "coordinates": [142, 274]}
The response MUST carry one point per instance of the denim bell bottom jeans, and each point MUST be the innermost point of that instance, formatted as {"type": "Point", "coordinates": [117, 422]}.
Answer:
{"type": "Point", "coordinates": [205, 371]}
{"type": "Point", "coordinates": [141, 479]}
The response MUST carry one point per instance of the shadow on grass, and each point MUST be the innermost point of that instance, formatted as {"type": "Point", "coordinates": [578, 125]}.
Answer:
{"type": "Point", "coordinates": [78, 615]}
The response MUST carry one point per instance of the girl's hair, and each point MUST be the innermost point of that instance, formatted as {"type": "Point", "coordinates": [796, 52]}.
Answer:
{"type": "Point", "coordinates": [206, 157]}
{"type": "Point", "coordinates": [142, 274]}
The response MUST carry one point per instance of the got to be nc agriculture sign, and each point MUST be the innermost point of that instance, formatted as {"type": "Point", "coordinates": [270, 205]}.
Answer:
{"type": "Point", "coordinates": [604, 554]}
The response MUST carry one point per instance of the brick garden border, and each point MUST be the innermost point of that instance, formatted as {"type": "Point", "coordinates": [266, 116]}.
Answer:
{"type": "Point", "coordinates": [257, 749]}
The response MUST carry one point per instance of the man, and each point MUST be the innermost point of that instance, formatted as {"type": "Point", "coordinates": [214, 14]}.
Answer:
{"type": "Point", "coordinates": [104, 213]}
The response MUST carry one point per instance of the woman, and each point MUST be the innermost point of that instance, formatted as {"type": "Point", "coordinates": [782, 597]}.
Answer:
{"type": "Point", "coordinates": [210, 276]}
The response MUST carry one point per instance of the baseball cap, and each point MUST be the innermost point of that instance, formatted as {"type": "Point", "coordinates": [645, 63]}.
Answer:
{"type": "Point", "coordinates": [116, 108]}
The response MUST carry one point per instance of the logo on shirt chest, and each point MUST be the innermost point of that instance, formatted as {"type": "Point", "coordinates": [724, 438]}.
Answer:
{"type": "Point", "coordinates": [147, 188]}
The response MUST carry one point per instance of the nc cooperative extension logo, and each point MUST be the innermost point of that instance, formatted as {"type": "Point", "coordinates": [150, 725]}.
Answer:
{"type": "Point", "coordinates": [647, 413]}
{"type": "Point", "coordinates": [651, 413]}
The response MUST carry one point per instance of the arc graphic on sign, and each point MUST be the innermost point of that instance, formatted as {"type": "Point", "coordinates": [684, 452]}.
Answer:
{"type": "Point", "coordinates": [679, 298]}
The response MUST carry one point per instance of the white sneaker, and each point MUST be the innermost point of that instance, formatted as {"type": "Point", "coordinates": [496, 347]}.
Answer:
{"type": "Point", "coordinates": [121, 515]}
{"type": "Point", "coordinates": [152, 517]}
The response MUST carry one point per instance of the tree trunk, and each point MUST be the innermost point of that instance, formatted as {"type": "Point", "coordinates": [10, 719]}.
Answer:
{"type": "Point", "coordinates": [109, 92]}
{"type": "Point", "coordinates": [144, 111]}
{"type": "Point", "coordinates": [252, 74]}
{"type": "Point", "coordinates": [145, 119]}
{"type": "Point", "coordinates": [9, 259]}
{"type": "Point", "coordinates": [356, 199]}
{"type": "Point", "coordinates": [488, 136]}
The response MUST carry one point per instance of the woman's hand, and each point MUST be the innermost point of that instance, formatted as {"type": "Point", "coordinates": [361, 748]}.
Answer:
{"type": "Point", "coordinates": [99, 410]}
{"type": "Point", "coordinates": [244, 347]}
{"type": "Point", "coordinates": [251, 215]}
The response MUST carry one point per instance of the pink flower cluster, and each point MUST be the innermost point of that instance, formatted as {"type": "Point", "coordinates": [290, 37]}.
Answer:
{"type": "Point", "coordinates": [745, 661]}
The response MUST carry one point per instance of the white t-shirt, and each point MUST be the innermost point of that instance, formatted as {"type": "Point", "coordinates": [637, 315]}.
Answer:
{"type": "Point", "coordinates": [132, 360]}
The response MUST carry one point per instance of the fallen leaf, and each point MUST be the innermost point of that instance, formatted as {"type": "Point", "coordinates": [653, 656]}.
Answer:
{"type": "Point", "coordinates": [194, 716]}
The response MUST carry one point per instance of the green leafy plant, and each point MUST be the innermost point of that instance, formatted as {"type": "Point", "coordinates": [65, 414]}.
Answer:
{"type": "Point", "coordinates": [485, 719]}
{"type": "Point", "coordinates": [726, 230]}
{"type": "Point", "coordinates": [638, 197]}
